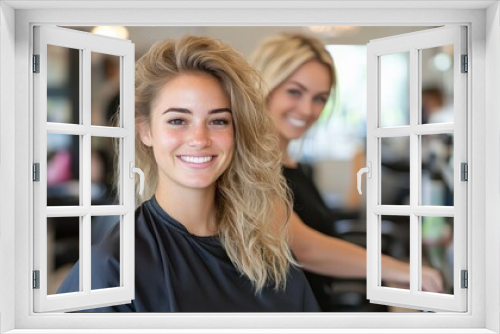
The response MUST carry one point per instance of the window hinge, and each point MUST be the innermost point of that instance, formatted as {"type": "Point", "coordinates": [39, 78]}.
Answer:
{"type": "Point", "coordinates": [36, 172]}
{"type": "Point", "coordinates": [36, 279]}
{"type": "Point", "coordinates": [36, 63]}
{"type": "Point", "coordinates": [465, 279]}
{"type": "Point", "coordinates": [464, 172]}
{"type": "Point", "coordinates": [465, 64]}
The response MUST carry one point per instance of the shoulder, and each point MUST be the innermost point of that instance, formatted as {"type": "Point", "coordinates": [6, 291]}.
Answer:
{"type": "Point", "coordinates": [295, 176]}
{"type": "Point", "coordinates": [298, 283]}
{"type": "Point", "coordinates": [146, 213]}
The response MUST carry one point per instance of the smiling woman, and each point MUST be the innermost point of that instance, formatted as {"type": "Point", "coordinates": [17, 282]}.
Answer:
{"type": "Point", "coordinates": [301, 75]}
{"type": "Point", "coordinates": [191, 135]}
{"type": "Point", "coordinates": [205, 235]}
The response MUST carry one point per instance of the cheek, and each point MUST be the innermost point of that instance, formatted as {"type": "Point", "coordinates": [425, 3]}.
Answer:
{"type": "Point", "coordinates": [165, 140]}
{"type": "Point", "coordinates": [228, 140]}
{"type": "Point", "coordinates": [275, 103]}
{"type": "Point", "coordinates": [318, 111]}
{"type": "Point", "coordinates": [278, 107]}
{"type": "Point", "coordinates": [317, 108]}
{"type": "Point", "coordinates": [225, 142]}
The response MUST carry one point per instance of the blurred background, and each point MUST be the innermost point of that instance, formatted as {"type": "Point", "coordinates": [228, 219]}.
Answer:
{"type": "Point", "coordinates": [333, 151]}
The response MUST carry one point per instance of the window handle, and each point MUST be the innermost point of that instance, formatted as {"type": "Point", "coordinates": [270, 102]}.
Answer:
{"type": "Point", "coordinates": [141, 176]}
{"type": "Point", "coordinates": [367, 170]}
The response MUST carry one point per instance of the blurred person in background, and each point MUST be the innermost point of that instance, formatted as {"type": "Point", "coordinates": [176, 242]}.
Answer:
{"type": "Point", "coordinates": [300, 77]}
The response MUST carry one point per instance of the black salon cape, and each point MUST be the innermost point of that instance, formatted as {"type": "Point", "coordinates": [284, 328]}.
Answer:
{"type": "Point", "coordinates": [176, 271]}
{"type": "Point", "coordinates": [312, 210]}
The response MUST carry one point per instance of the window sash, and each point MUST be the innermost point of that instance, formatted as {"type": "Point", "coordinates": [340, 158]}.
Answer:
{"type": "Point", "coordinates": [413, 298]}
{"type": "Point", "coordinates": [86, 43]}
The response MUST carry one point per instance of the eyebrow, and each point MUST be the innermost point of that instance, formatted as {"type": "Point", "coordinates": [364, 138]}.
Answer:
{"type": "Point", "coordinates": [187, 111]}
{"type": "Point", "coordinates": [304, 87]}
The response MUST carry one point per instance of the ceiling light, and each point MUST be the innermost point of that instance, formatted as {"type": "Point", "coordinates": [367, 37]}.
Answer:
{"type": "Point", "coordinates": [111, 31]}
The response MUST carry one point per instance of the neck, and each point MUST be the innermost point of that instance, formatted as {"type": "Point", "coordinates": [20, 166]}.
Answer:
{"type": "Point", "coordinates": [286, 160]}
{"type": "Point", "coordinates": [193, 208]}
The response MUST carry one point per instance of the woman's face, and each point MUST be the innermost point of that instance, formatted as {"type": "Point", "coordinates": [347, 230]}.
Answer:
{"type": "Point", "coordinates": [297, 103]}
{"type": "Point", "coordinates": [191, 132]}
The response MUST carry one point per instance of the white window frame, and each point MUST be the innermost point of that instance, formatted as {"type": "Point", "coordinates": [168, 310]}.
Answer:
{"type": "Point", "coordinates": [16, 21]}
{"type": "Point", "coordinates": [412, 44]}
{"type": "Point", "coordinates": [124, 131]}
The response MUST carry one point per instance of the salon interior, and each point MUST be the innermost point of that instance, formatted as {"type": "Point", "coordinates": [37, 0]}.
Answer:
{"type": "Point", "coordinates": [332, 151]}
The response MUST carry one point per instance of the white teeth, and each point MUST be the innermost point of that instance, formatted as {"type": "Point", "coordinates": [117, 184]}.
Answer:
{"type": "Point", "coordinates": [296, 122]}
{"type": "Point", "coordinates": [196, 160]}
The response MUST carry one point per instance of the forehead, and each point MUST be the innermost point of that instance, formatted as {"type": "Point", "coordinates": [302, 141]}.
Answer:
{"type": "Point", "coordinates": [192, 90]}
{"type": "Point", "coordinates": [312, 74]}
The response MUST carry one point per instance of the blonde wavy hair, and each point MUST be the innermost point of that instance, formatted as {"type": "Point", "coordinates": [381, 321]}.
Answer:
{"type": "Point", "coordinates": [279, 56]}
{"type": "Point", "coordinates": [252, 199]}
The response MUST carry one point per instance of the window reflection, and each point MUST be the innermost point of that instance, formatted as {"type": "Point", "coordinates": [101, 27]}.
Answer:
{"type": "Point", "coordinates": [63, 84]}
{"type": "Point", "coordinates": [395, 171]}
{"type": "Point", "coordinates": [437, 247]}
{"type": "Point", "coordinates": [105, 88]}
{"type": "Point", "coordinates": [437, 170]}
{"type": "Point", "coordinates": [395, 89]}
{"type": "Point", "coordinates": [437, 84]}
{"type": "Point", "coordinates": [63, 249]}
{"type": "Point", "coordinates": [63, 169]}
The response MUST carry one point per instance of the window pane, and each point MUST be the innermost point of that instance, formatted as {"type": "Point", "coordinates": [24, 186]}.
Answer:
{"type": "Point", "coordinates": [63, 250]}
{"type": "Point", "coordinates": [437, 84]}
{"type": "Point", "coordinates": [63, 169]}
{"type": "Point", "coordinates": [105, 90]}
{"type": "Point", "coordinates": [63, 85]}
{"type": "Point", "coordinates": [395, 242]}
{"type": "Point", "coordinates": [100, 228]}
{"type": "Point", "coordinates": [105, 171]}
{"type": "Point", "coordinates": [395, 89]}
{"type": "Point", "coordinates": [437, 169]}
{"type": "Point", "coordinates": [395, 171]}
{"type": "Point", "coordinates": [437, 247]}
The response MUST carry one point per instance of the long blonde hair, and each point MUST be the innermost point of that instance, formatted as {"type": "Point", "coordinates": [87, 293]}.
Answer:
{"type": "Point", "coordinates": [252, 190]}
{"type": "Point", "coordinates": [280, 55]}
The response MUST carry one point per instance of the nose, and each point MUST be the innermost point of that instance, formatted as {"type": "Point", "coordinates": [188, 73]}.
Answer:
{"type": "Point", "coordinates": [306, 107]}
{"type": "Point", "coordinates": [200, 137]}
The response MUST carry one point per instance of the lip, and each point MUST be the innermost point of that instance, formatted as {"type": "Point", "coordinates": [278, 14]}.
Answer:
{"type": "Point", "coordinates": [196, 165]}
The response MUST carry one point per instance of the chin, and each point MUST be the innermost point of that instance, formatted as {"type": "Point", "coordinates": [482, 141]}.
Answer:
{"type": "Point", "coordinates": [199, 184]}
{"type": "Point", "coordinates": [294, 135]}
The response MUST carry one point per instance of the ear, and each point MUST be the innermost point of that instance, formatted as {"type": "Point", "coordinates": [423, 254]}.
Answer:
{"type": "Point", "coordinates": [145, 134]}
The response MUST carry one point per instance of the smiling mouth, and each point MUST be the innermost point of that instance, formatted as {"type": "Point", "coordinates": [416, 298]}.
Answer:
{"type": "Point", "coordinates": [296, 122]}
{"type": "Point", "coordinates": [196, 160]}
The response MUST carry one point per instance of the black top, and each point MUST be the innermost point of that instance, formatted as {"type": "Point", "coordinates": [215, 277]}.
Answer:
{"type": "Point", "coordinates": [176, 271]}
{"type": "Point", "coordinates": [313, 211]}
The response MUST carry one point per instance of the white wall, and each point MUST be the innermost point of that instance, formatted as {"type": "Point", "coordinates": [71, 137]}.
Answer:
{"type": "Point", "coordinates": [492, 160]}
{"type": "Point", "coordinates": [7, 159]}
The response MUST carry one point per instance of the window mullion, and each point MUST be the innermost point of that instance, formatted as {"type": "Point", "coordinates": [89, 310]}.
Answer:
{"type": "Point", "coordinates": [66, 129]}
{"type": "Point", "coordinates": [85, 168]}
{"type": "Point", "coordinates": [434, 129]}
{"type": "Point", "coordinates": [373, 183]}
{"type": "Point", "coordinates": [85, 139]}
{"type": "Point", "coordinates": [414, 170]}
{"type": "Point", "coordinates": [80, 211]}
{"type": "Point", "coordinates": [127, 144]}
{"type": "Point", "coordinates": [85, 274]}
